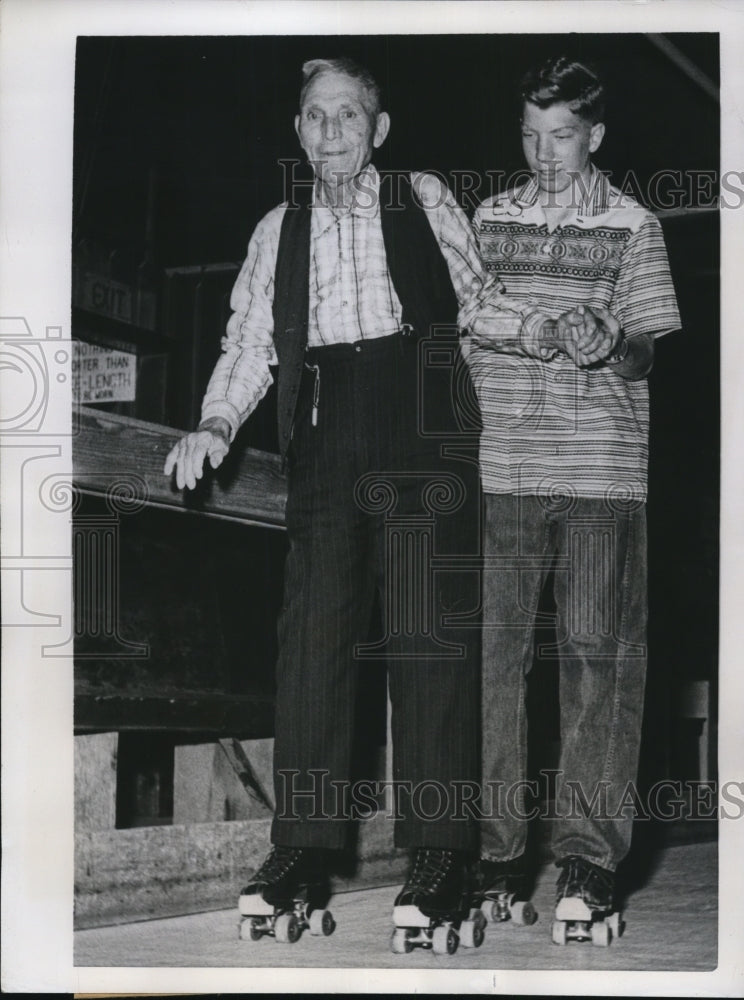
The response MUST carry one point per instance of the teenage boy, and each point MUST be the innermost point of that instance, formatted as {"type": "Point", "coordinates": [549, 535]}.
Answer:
{"type": "Point", "coordinates": [564, 451]}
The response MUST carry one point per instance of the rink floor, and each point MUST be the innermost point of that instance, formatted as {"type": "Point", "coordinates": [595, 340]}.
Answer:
{"type": "Point", "coordinates": [671, 925]}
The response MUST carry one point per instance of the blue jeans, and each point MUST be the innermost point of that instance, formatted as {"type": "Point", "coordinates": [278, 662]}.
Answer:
{"type": "Point", "coordinates": [597, 549]}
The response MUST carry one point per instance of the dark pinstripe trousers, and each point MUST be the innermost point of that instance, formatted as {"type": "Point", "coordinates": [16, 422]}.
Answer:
{"type": "Point", "coordinates": [373, 505]}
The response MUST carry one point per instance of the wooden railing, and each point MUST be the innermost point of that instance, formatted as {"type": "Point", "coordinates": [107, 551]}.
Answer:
{"type": "Point", "coordinates": [114, 455]}
{"type": "Point", "coordinates": [249, 487]}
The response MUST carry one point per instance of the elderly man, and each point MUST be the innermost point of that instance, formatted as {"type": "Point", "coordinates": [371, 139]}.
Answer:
{"type": "Point", "coordinates": [343, 291]}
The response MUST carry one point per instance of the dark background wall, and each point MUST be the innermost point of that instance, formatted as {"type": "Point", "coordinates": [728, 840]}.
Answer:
{"type": "Point", "coordinates": [215, 115]}
{"type": "Point", "coordinates": [176, 157]}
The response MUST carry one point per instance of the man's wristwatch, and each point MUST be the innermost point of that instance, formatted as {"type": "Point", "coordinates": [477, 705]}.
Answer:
{"type": "Point", "coordinates": [619, 354]}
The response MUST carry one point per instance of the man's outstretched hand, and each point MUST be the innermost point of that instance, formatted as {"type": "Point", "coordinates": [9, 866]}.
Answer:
{"type": "Point", "coordinates": [187, 456]}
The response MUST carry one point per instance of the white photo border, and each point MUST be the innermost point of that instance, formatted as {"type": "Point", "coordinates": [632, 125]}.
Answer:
{"type": "Point", "coordinates": [37, 67]}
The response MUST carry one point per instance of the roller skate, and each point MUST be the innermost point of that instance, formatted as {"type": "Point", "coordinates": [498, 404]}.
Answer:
{"type": "Point", "coordinates": [433, 909]}
{"type": "Point", "coordinates": [500, 891]}
{"type": "Point", "coordinates": [287, 895]}
{"type": "Point", "coordinates": [584, 904]}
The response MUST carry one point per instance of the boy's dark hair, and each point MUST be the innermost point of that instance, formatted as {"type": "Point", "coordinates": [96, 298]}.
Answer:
{"type": "Point", "coordinates": [563, 80]}
{"type": "Point", "coordinates": [349, 67]}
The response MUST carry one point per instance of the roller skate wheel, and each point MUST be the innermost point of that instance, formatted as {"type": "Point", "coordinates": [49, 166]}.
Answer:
{"type": "Point", "coordinates": [523, 912]}
{"type": "Point", "coordinates": [471, 933]}
{"type": "Point", "coordinates": [601, 934]}
{"type": "Point", "coordinates": [615, 921]}
{"type": "Point", "coordinates": [558, 932]}
{"type": "Point", "coordinates": [287, 928]}
{"type": "Point", "coordinates": [399, 942]}
{"type": "Point", "coordinates": [444, 941]}
{"type": "Point", "coordinates": [250, 930]}
{"type": "Point", "coordinates": [322, 923]}
{"type": "Point", "coordinates": [489, 910]}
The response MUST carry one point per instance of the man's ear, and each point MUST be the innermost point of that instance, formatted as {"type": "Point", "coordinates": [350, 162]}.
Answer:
{"type": "Point", "coordinates": [596, 136]}
{"type": "Point", "coordinates": [297, 127]}
{"type": "Point", "coordinates": [381, 129]}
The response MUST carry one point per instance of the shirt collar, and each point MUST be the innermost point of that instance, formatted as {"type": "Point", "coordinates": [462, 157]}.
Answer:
{"type": "Point", "coordinates": [597, 200]}
{"type": "Point", "coordinates": [365, 203]}
{"type": "Point", "coordinates": [594, 201]}
{"type": "Point", "coordinates": [527, 195]}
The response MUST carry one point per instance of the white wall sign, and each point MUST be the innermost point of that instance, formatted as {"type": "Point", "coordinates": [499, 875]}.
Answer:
{"type": "Point", "coordinates": [100, 375]}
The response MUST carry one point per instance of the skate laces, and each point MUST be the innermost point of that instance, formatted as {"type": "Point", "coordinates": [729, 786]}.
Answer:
{"type": "Point", "coordinates": [279, 862]}
{"type": "Point", "coordinates": [429, 868]}
{"type": "Point", "coordinates": [578, 874]}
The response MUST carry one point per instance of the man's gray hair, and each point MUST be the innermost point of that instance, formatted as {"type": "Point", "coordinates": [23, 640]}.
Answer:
{"type": "Point", "coordinates": [350, 68]}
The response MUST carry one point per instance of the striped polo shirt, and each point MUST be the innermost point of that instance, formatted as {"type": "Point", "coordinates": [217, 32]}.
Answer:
{"type": "Point", "coordinates": [548, 426]}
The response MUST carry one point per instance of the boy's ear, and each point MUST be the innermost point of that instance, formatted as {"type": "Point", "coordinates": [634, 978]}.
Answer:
{"type": "Point", "coordinates": [596, 136]}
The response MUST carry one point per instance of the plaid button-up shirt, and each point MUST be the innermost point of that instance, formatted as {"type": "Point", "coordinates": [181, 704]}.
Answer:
{"type": "Point", "coordinates": [351, 295]}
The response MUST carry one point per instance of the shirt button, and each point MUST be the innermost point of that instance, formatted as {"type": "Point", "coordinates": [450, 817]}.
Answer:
{"type": "Point", "coordinates": [357, 348]}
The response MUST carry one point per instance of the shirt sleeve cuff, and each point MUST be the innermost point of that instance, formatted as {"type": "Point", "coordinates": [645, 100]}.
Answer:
{"type": "Point", "coordinates": [221, 408]}
{"type": "Point", "coordinates": [470, 309]}
{"type": "Point", "coordinates": [525, 321]}
{"type": "Point", "coordinates": [532, 325]}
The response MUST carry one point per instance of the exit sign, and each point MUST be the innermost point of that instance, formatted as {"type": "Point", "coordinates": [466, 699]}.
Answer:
{"type": "Point", "coordinates": [100, 294]}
